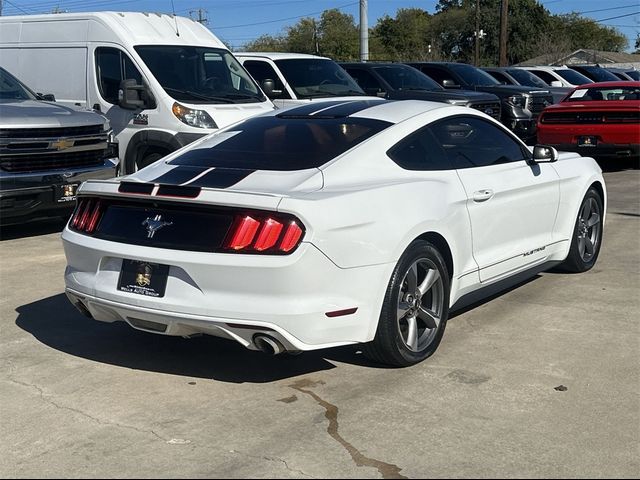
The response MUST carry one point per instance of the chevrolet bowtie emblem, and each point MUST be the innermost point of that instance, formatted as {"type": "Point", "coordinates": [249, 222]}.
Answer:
{"type": "Point", "coordinates": [154, 224]}
{"type": "Point", "coordinates": [61, 144]}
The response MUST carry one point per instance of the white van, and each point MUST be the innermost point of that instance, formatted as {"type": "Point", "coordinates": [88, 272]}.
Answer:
{"type": "Point", "coordinates": [162, 81]}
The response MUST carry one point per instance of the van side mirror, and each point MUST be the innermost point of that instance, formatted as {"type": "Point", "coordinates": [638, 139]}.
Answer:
{"type": "Point", "coordinates": [47, 97]}
{"type": "Point", "coordinates": [544, 154]}
{"type": "Point", "coordinates": [449, 84]}
{"type": "Point", "coordinates": [132, 96]}
{"type": "Point", "coordinates": [556, 83]}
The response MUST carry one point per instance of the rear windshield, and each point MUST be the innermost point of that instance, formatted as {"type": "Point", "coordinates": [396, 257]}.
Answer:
{"type": "Point", "coordinates": [631, 92]}
{"type": "Point", "coordinates": [275, 143]}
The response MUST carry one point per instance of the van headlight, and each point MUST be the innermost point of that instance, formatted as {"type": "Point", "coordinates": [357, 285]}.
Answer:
{"type": "Point", "coordinates": [192, 117]}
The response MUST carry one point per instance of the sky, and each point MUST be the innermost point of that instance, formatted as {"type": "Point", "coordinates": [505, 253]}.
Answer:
{"type": "Point", "coordinates": [237, 22]}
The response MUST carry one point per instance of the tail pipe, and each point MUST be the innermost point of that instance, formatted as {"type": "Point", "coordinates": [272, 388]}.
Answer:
{"type": "Point", "coordinates": [268, 344]}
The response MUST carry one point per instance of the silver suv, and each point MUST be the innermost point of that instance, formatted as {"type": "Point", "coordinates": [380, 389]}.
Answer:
{"type": "Point", "coordinates": [46, 151]}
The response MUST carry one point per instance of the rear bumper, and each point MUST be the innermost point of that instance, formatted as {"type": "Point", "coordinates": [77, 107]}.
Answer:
{"type": "Point", "coordinates": [602, 150]}
{"type": "Point", "coordinates": [231, 295]}
{"type": "Point", "coordinates": [31, 196]}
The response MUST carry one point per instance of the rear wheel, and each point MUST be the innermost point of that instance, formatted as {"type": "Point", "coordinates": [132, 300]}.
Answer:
{"type": "Point", "coordinates": [415, 309]}
{"type": "Point", "coordinates": [587, 235]}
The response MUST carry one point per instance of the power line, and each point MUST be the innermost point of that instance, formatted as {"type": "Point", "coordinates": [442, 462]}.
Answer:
{"type": "Point", "coordinates": [635, 5]}
{"type": "Point", "coordinates": [16, 7]}
{"type": "Point", "coordinates": [619, 16]}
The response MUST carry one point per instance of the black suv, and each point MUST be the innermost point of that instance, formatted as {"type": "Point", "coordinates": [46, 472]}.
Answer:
{"type": "Point", "coordinates": [396, 81]}
{"type": "Point", "coordinates": [521, 105]}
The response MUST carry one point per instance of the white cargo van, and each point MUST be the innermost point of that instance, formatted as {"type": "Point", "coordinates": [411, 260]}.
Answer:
{"type": "Point", "coordinates": [162, 81]}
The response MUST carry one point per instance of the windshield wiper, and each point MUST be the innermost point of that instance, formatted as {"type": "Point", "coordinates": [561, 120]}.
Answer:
{"type": "Point", "coordinates": [199, 96]}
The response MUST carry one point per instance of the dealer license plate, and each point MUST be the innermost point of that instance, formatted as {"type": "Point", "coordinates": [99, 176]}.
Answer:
{"type": "Point", "coordinates": [143, 278]}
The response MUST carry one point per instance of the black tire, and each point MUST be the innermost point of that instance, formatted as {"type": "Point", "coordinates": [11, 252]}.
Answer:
{"type": "Point", "coordinates": [149, 159]}
{"type": "Point", "coordinates": [580, 259]}
{"type": "Point", "coordinates": [390, 345]}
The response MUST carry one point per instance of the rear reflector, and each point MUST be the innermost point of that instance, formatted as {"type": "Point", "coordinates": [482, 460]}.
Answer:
{"type": "Point", "coordinates": [340, 313]}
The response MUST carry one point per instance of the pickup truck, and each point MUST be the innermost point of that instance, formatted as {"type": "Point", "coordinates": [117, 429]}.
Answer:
{"type": "Point", "coordinates": [396, 81]}
{"type": "Point", "coordinates": [521, 105]}
{"type": "Point", "coordinates": [46, 151]}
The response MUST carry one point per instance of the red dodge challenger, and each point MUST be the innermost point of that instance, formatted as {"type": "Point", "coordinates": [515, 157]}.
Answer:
{"type": "Point", "coordinates": [597, 119]}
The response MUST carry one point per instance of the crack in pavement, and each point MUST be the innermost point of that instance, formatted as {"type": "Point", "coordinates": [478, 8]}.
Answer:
{"type": "Point", "coordinates": [45, 398]}
{"type": "Point", "coordinates": [387, 470]}
{"type": "Point", "coordinates": [272, 459]}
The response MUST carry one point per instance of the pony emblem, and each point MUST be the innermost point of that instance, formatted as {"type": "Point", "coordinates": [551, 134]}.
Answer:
{"type": "Point", "coordinates": [154, 224]}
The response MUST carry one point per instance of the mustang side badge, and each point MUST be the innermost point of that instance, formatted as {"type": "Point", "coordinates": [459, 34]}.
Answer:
{"type": "Point", "coordinates": [154, 224]}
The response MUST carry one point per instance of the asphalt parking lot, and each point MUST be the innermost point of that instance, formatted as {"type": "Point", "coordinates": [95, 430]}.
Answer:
{"type": "Point", "coordinates": [540, 381]}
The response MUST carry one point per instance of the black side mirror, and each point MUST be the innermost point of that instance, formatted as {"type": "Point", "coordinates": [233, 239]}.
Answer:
{"type": "Point", "coordinates": [544, 154]}
{"type": "Point", "coordinates": [269, 87]}
{"type": "Point", "coordinates": [47, 97]}
{"type": "Point", "coordinates": [449, 84]}
{"type": "Point", "coordinates": [375, 92]}
{"type": "Point", "coordinates": [132, 96]}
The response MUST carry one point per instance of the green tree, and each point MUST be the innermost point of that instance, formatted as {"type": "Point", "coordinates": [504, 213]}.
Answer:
{"type": "Point", "coordinates": [303, 36]}
{"type": "Point", "coordinates": [267, 43]}
{"type": "Point", "coordinates": [407, 36]}
{"type": "Point", "coordinates": [339, 36]}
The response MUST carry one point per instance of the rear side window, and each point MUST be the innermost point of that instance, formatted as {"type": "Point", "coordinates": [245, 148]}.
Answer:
{"type": "Point", "coordinates": [546, 76]}
{"type": "Point", "coordinates": [420, 151]}
{"type": "Point", "coordinates": [113, 66]}
{"type": "Point", "coordinates": [500, 77]}
{"type": "Point", "coordinates": [275, 143]}
{"type": "Point", "coordinates": [472, 142]}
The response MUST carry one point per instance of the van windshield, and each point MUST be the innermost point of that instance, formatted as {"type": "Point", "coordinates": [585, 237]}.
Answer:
{"type": "Point", "coordinates": [12, 89]}
{"type": "Point", "coordinates": [200, 74]}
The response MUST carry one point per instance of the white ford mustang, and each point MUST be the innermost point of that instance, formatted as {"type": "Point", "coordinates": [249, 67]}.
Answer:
{"type": "Point", "coordinates": [330, 224]}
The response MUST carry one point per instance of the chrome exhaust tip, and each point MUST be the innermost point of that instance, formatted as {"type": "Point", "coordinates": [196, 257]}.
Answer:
{"type": "Point", "coordinates": [268, 345]}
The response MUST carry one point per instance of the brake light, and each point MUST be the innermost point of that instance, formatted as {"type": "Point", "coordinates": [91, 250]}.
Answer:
{"type": "Point", "coordinates": [87, 215]}
{"type": "Point", "coordinates": [255, 233]}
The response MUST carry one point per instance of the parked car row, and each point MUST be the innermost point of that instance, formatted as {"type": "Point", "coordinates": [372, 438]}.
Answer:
{"type": "Point", "coordinates": [164, 84]}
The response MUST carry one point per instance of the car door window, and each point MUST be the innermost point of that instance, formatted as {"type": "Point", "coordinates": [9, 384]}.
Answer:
{"type": "Point", "coordinates": [262, 71]}
{"type": "Point", "coordinates": [366, 81]}
{"type": "Point", "coordinates": [437, 74]}
{"type": "Point", "coordinates": [472, 142]}
{"type": "Point", "coordinates": [546, 76]}
{"type": "Point", "coordinates": [500, 77]}
{"type": "Point", "coordinates": [420, 151]}
{"type": "Point", "coordinates": [113, 66]}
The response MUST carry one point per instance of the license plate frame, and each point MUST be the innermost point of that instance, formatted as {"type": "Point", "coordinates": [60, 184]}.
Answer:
{"type": "Point", "coordinates": [143, 278]}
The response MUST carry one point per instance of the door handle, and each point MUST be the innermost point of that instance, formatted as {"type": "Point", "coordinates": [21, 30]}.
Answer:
{"type": "Point", "coordinates": [482, 195]}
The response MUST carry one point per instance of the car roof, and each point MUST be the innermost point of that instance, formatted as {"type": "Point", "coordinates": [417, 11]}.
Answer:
{"type": "Point", "coordinates": [279, 55]}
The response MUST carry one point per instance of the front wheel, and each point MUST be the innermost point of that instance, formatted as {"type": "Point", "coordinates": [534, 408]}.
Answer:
{"type": "Point", "coordinates": [415, 309]}
{"type": "Point", "coordinates": [587, 234]}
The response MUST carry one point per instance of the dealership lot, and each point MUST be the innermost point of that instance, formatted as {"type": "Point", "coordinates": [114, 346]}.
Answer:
{"type": "Point", "coordinates": [542, 380]}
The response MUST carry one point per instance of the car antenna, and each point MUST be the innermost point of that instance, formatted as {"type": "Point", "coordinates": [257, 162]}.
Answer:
{"type": "Point", "coordinates": [173, 9]}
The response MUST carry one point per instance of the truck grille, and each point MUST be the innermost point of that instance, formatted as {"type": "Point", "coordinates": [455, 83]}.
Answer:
{"type": "Point", "coordinates": [538, 103]}
{"type": "Point", "coordinates": [485, 107]}
{"type": "Point", "coordinates": [50, 161]}
{"type": "Point", "coordinates": [590, 117]}
{"type": "Point", "coordinates": [50, 132]}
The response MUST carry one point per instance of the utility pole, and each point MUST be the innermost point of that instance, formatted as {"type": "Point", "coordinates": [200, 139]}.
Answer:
{"type": "Point", "coordinates": [477, 53]}
{"type": "Point", "coordinates": [503, 33]}
{"type": "Point", "coordinates": [364, 32]}
{"type": "Point", "coordinates": [201, 16]}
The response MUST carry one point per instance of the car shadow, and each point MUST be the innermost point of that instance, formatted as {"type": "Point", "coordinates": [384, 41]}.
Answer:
{"type": "Point", "coordinates": [32, 229]}
{"type": "Point", "coordinates": [618, 164]}
{"type": "Point", "coordinates": [57, 324]}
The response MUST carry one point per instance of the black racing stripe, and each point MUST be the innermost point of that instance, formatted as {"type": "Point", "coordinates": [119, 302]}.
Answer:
{"type": "Point", "coordinates": [179, 175]}
{"type": "Point", "coordinates": [222, 178]}
{"type": "Point", "coordinates": [347, 109]}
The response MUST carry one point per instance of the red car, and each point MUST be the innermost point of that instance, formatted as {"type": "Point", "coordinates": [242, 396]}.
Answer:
{"type": "Point", "coordinates": [596, 119]}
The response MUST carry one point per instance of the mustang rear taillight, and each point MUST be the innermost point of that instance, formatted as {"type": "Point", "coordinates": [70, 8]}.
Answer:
{"type": "Point", "coordinates": [256, 233]}
{"type": "Point", "coordinates": [87, 215]}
